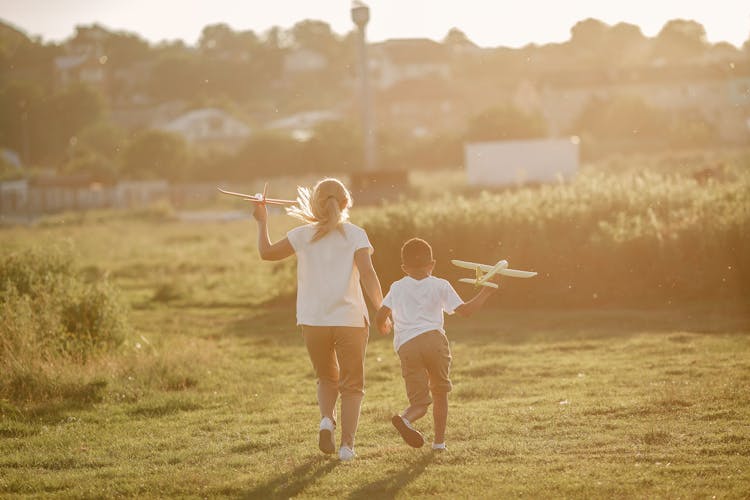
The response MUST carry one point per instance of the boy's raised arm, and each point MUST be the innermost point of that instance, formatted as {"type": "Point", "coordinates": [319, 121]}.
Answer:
{"type": "Point", "coordinates": [476, 303]}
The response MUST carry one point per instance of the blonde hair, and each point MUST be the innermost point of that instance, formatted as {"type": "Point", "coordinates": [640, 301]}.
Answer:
{"type": "Point", "coordinates": [326, 206]}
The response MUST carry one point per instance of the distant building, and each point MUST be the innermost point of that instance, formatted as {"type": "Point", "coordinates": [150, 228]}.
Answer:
{"type": "Point", "coordinates": [84, 61]}
{"type": "Point", "coordinates": [304, 61]}
{"type": "Point", "coordinates": [420, 106]}
{"type": "Point", "coordinates": [514, 163]}
{"type": "Point", "coordinates": [396, 60]}
{"type": "Point", "coordinates": [722, 97]}
{"type": "Point", "coordinates": [209, 126]}
{"type": "Point", "coordinates": [301, 125]}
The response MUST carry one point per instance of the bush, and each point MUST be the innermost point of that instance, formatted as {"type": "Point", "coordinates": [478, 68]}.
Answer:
{"type": "Point", "coordinates": [642, 238]}
{"type": "Point", "coordinates": [49, 314]}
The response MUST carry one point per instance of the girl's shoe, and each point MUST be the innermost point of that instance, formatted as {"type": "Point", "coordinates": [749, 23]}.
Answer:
{"type": "Point", "coordinates": [326, 438]}
{"type": "Point", "coordinates": [411, 435]}
{"type": "Point", "coordinates": [346, 454]}
{"type": "Point", "coordinates": [438, 447]}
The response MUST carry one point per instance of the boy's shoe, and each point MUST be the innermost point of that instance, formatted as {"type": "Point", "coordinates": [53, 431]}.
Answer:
{"type": "Point", "coordinates": [438, 447]}
{"type": "Point", "coordinates": [411, 435]}
{"type": "Point", "coordinates": [326, 438]}
{"type": "Point", "coordinates": [346, 454]}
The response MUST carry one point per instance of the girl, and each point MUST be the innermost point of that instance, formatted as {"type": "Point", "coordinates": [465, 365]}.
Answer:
{"type": "Point", "coordinates": [333, 258]}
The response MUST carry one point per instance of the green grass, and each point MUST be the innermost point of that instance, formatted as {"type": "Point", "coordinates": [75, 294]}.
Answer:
{"type": "Point", "coordinates": [211, 394]}
{"type": "Point", "coordinates": [550, 403]}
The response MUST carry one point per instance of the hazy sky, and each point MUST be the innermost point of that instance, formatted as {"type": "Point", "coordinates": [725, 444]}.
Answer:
{"type": "Point", "coordinates": [488, 23]}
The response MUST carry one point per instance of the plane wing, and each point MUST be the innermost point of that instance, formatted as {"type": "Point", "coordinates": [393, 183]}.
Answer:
{"type": "Point", "coordinates": [513, 273]}
{"type": "Point", "coordinates": [479, 283]}
{"type": "Point", "coordinates": [258, 198]}
{"type": "Point", "coordinates": [472, 265]}
{"type": "Point", "coordinates": [240, 195]}
{"type": "Point", "coordinates": [275, 201]}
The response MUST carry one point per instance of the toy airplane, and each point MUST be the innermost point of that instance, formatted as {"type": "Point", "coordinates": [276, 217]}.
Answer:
{"type": "Point", "coordinates": [485, 272]}
{"type": "Point", "coordinates": [260, 197]}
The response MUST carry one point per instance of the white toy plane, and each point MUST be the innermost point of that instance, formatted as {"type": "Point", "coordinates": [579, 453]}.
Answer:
{"type": "Point", "coordinates": [260, 197]}
{"type": "Point", "coordinates": [490, 271]}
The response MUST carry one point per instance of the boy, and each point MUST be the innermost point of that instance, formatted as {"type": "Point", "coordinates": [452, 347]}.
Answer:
{"type": "Point", "coordinates": [416, 303]}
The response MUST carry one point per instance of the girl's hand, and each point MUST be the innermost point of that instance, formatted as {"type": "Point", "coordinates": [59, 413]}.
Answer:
{"type": "Point", "coordinates": [260, 212]}
{"type": "Point", "coordinates": [385, 327]}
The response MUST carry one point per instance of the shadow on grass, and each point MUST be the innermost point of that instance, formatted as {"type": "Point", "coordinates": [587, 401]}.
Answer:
{"type": "Point", "coordinates": [510, 326]}
{"type": "Point", "coordinates": [391, 485]}
{"type": "Point", "coordinates": [291, 483]}
{"type": "Point", "coordinates": [43, 409]}
{"type": "Point", "coordinates": [277, 323]}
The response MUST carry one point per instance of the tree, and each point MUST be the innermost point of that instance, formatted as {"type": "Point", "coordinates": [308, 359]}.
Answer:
{"type": "Point", "coordinates": [220, 40]}
{"type": "Point", "coordinates": [679, 40]}
{"type": "Point", "coordinates": [457, 38]}
{"type": "Point", "coordinates": [315, 35]}
{"type": "Point", "coordinates": [20, 118]}
{"type": "Point", "coordinates": [267, 153]}
{"type": "Point", "coordinates": [505, 123]}
{"type": "Point", "coordinates": [622, 118]}
{"type": "Point", "coordinates": [175, 77]}
{"type": "Point", "coordinates": [156, 154]}
{"type": "Point", "coordinates": [589, 33]}
{"type": "Point", "coordinates": [335, 146]}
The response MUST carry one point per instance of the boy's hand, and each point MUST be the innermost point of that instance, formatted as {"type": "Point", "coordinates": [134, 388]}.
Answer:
{"type": "Point", "coordinates": [260, 212]}
{"type": "Point", "coordinates": [385, 327]}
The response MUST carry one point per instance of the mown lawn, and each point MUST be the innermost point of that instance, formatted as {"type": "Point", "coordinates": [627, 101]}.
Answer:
{"type": "Point", "coordinates": [220, 401]}
{"type": "Point", "coordinates": [546, 404]}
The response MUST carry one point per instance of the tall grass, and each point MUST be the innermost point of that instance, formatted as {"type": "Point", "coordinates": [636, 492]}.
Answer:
{"type": "Point", "coordinates": [632, 238]}
{"type": "Point", "coordinates": [51, 315]}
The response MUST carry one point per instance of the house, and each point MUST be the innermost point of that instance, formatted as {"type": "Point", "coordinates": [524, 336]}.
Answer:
{"type": "Point", "coordinates": [396, 60]}
{"type": "Point", "coordinates": [304, 61]}
{"type": "Point", "coordinates": [301, 125]}
{"type": "Point", "coordinates": [84, 61]}
{"type": "Point", "coordinates": [209, 127]}
{"type": "Point", "coordinates": [722, 97]}
{"type": "Point", "coordinates": [13, 195]}
{"type": "Point", "coordinates": [421, 106]}
{"type": "Point", "coordinates": [82, 68]}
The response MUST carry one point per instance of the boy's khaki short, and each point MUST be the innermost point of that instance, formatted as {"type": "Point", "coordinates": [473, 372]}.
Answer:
{"type": "Point", "coordinates": [425, 366]}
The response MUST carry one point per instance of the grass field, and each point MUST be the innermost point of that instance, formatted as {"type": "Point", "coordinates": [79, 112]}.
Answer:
{"type": "Point", "coordinates": [212, 393]}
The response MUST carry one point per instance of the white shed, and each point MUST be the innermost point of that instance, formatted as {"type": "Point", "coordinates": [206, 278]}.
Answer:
{"type": "Point", "coordinates": [507, 163]}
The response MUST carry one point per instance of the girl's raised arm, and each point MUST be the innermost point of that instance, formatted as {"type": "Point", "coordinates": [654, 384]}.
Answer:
{"type": "Point", "coordinates": [267, 250]}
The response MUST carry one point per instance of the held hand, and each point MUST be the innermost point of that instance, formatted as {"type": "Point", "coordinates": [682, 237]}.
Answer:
{"type": "Point", "coordinates": [386, 327]}
{"type": "Point", "coordinates": [260, 212]}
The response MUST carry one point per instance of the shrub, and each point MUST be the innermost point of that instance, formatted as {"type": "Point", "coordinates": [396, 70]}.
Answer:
{"type": "Point", "coordinates": [634, 238]}
{"type": "Point", "coordinates": [50, 313]}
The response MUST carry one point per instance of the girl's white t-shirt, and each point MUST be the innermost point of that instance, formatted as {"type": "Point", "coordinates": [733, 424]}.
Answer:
{"type": "Point", "coordinates": [417, 306]}
{"type": "Point", "coordinates": [328, 289]}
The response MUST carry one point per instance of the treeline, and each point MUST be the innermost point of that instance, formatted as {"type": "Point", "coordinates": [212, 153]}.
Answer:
{"type": "Point", "coordinates": [71, 127]}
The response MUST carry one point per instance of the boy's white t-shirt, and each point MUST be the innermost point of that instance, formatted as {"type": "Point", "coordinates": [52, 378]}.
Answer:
{"type": "Point", "coordinates": [417, 306]}
{"type": "Point", "coordinates": [328, 290]}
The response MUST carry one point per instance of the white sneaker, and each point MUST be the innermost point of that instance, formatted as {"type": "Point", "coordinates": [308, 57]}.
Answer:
{"type": "Point", "coordinates": [346, 454]}
{"type": "Point", "coordinates": [438, 446]}
{"type": "Point", "coordinates": [326, 437]}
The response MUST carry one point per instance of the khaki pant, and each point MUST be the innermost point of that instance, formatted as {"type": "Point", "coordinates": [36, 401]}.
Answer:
{"type": "Point", "coordinates": [425, 366]}
{"type": "Point", "coordinates": [338, 357]}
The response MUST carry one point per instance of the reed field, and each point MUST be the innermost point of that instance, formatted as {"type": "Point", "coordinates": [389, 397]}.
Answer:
{"type": "Point", "coordinates": [145, 356]}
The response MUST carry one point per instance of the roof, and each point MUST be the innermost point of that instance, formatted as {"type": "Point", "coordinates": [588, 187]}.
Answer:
{"type": "Point", "coordinates": [187, 120]}
{"type": "Point", "coordinates": [420, 89]}
{"type": "Point", "coordinates": [69, 62]}
{"type": "Point", "coordinates": [412, 51]}
{"type": "Point", "coordinates": [307, 119]}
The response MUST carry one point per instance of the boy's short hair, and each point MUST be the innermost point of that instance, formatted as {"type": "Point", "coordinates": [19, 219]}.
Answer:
{"type": "Point", "coordinates": [416, 252]}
